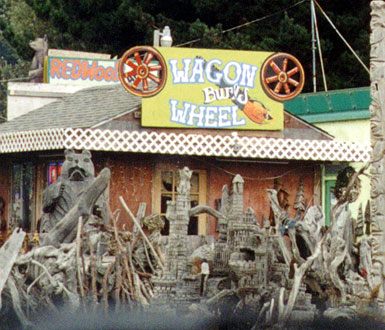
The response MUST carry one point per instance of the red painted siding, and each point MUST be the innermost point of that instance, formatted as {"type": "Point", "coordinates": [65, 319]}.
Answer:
{"type": "Point", "coordinates": [132, 179]}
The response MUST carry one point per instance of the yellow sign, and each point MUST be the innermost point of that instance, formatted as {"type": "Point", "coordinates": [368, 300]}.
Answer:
{"type": "Point", "coordinates": [206, 88]}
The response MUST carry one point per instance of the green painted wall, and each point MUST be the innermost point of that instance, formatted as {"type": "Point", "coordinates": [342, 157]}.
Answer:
{"type": "Point", "coordinates": [354, 131]}
{"type": "Point", "coordinates": [345, 115]}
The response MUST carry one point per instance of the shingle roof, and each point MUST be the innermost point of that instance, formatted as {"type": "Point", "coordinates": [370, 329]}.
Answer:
{"type": "Point", "coordinates": [69, 122]}
{"type": "Point", "coordinates": [82, 109]}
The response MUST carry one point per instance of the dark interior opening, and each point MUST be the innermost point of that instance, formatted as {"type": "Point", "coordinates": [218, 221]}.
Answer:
{"type": "Point", "coordinates": [166, 228]}
{"type": "Point", "coordinates": [248, 254]}
{"type": "Point", "coordinates": [193, 226]}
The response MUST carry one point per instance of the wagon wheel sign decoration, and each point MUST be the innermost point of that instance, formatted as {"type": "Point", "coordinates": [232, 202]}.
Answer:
{"type": "Point", "coordinates": [142, 71]}
{"type": "Point", "coordinates": [282, 77]}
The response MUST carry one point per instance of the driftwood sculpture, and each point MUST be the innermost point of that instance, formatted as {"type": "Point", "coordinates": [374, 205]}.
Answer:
{"type": "Point", "coordinates": [77, 175]}
{"type": "Point", "coordinates": [80, 260]}
{"type": "Point", "coordinates": [63, 231]}
{"type": "Point", "coordinates": [262, 266]}
{"type": "Point", "coordinates": [270, 271]}
{"type": "Point", "coordinates": [40, 46]}
{"type": "Point", "coordinates": [8, 255]}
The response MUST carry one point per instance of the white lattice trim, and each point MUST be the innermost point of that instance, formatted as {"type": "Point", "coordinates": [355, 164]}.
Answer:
{"type": "Point", "coordinates": [209, 145]}
{"type": "Point", "coordinates": [184, 144]}
{"type": "Point", "coordinates": [47, 139]}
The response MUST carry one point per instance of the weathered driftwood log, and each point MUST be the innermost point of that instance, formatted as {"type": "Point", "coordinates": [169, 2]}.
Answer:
{"type": "Point", "coordinates": [339, 253]}
{"type": "Point", "coordinates": [66, 226]}
{"type": "Point", "coordinates": [16, 302]}
{"type": "Point", "coordinates": [296, 253]}
{"type": "Point", "coordinates": [279, 215]}
{"type": "Point", "coordinates": [299, 272]}
{"type": "Point", "coordinates": [310, 228]}
{"type": "Point", "coordinates": [220, 296]}
{"type": "Point", "coordinates": [204, 209]}
{"type": "Point", "coordinates": [159, 262]}
{"type": "Point", "coordinates": [78, 257]}
{"type": "Point", "coordinates": [140, 216]}
{"type": "Point", "coordinates": [8, 255]}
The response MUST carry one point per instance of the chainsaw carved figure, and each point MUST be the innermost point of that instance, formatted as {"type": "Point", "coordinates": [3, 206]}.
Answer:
{"type": "Point", "coordinates": [77, 175]}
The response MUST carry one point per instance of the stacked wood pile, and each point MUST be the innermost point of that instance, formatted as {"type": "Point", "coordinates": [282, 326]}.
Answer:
{"type": "Point", "coordinates": [103, 267]}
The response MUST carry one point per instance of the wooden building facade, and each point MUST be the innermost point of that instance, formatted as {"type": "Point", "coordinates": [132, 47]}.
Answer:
{"type": "Point", "coordinates": [144, 162]}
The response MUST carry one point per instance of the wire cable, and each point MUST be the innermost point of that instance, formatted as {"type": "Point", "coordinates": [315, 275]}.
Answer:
{"type": "Point", "coordinates": [245, 24]}
{"type": "Point", "coordinates": [223, 32]}
{"type": "Point", "coordinates": [247, 177]}
{"type": "Point", "coordinates": [340, 35]}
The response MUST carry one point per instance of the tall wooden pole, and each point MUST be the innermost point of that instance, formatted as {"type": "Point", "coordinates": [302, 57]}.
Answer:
{"type": "Point", "coordinates": [377, 110]}
{"type": "Point", "coordinates": [313, 47]}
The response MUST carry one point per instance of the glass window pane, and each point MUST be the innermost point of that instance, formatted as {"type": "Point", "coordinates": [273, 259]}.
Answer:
{"type": "Point", "coordinates": [59, 168]}
{"type": "Point", "coordinates": [194, 201]}
{"type": "Point", "coordinates": [169, 182]}
{"type": "Point", "coordinates": [334, 169]}
{"type": "Point", "coordinates": [195, 183]}
{"type": "Point", "coordinates": [163, 203]}
{"type": "Point", "coordinates": [330, 199]}
{"type": "Point", "coordinates": [166, 228]}
{"type": "Point", "coordinates": [166, 181]}
{"type": "Point", "coordinates": [16, 212]}
{"type": "Point", "coordinates": [177, 180]}
{"type": "Point", "coordinates": [52, 173]}
{"type": "Point", "coordinates": [28, 198]}
{"type": "Point", "coordinates": [22, 211]}
{"type": "Point", "coordinates": [193, 226]}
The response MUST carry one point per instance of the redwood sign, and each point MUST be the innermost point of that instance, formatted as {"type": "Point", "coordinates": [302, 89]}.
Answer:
{"type": "Point", "coordinates": [62, 70]}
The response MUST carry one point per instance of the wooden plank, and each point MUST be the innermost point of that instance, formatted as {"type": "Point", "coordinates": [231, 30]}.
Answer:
{"type": "Point", "coordinates": [141, 211]}
{"type": "Point", "coordinates": [140, 215]}
{"type": "Point", "coordinates": [8, 255]}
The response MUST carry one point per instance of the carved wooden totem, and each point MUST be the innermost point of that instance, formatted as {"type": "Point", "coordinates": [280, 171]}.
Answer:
{"type": "Point", "coordinates": [377, 110]}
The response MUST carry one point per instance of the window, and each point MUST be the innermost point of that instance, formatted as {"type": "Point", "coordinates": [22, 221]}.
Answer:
{"type": "Point", "coordinates": [23, 204]}
{"type": "Point", "coordinates": [53, 171]}
{"type": "Point", "coordinates": [329, 178]}
{"type": "Point", "coordinates": [330, 199]}
{"type": "Point", "coordinates": [166, 181]}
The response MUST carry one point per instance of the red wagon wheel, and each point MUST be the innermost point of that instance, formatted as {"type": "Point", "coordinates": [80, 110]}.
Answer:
{"type": "Point", "coordinates": [142, 71]}
{"type": "Point", "coordinates": [282, 77]}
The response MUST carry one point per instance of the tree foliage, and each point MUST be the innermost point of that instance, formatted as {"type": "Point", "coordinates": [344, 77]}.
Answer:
{"type": "Point", "coordinates": [9, 71]}
{"type": "Point", "coordinates": [113, 26]}
{"type": "Point", "coordinates": [17, 27]}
